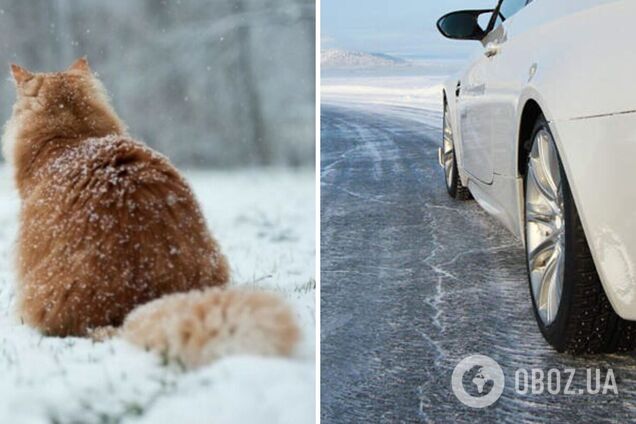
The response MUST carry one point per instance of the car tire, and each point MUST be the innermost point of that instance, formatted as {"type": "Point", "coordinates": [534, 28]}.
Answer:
{"type": "Point", "coordinates": [453, 182]}
{"type": "Point", "coordinates": [585, 321]}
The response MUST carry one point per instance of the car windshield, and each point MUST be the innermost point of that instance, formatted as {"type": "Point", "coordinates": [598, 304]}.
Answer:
{"type": "Point", "coordinates": [510, 7]}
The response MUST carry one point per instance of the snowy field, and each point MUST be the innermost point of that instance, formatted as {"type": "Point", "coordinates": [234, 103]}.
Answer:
{"type": "Point", "coordinates": [410, 96]}
{"type": "Point", "coordinates": [264, 220]}
{"type": "Point", "coordinates": [408, 89]}
{"type": "Point", "coordinates": [412, 91]}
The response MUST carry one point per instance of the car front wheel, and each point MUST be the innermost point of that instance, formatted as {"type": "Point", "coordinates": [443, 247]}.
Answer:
{"type": "Point", "coordinates": [570, 305]}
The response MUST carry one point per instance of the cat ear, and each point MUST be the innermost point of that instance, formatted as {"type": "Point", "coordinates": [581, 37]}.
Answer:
{"type": "Point", "coordinates": [80, 64]}
{"type": "Point", "coordinates": [20, 75]}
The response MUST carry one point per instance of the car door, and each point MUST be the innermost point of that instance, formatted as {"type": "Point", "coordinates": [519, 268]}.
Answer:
{"type": "Point", "coordinates": [478, 108]}
{"type": "Point", "coordinates": [511, 69]}
{"type": "Point", "coordinates": [473, 117]}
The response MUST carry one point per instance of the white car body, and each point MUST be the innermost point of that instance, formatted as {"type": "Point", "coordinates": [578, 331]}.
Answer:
{"type": "Point", "coordinates": [576, 61]}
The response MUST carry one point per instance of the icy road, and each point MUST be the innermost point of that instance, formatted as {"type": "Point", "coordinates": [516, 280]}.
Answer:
{"type": "Point", "coordinates": [413, 282]}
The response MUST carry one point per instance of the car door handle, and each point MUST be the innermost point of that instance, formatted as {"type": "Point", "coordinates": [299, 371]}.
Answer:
{"type": "Point", "coordinates": [492, 49]}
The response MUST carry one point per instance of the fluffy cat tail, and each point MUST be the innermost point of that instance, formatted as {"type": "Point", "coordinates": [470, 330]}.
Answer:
{"type": "Point", "coordinates": [199, 327]}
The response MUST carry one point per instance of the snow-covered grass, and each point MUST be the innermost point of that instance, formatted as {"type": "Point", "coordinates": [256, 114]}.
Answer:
{"type": "Point", "coordinates": [264, 220]}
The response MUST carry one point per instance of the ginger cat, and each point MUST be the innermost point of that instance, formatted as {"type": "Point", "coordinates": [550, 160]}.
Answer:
{"type": "Point", "coordinates": [107, 224]}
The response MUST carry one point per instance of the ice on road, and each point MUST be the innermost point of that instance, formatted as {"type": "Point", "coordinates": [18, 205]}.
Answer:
{"type": "Point", "coordinates": [264, 221]}
{"type": "Point", "coordinates": [413, 281]}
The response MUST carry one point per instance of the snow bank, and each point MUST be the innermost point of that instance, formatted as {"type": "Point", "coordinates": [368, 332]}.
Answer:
{"type": "Point", "coordinates": [402, 91]}
{"type": "Point", "coordinates": [410, 97]}
{"type": "Point", "coordinates": [412, 92]}
{"type": "Point", "coordinates": [264, 220]}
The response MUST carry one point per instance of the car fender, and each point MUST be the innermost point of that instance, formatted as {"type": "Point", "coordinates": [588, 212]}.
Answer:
{"type": "Point", "coordinates": [596, 154]}
{"type": "Point", "coordinates": [587, 67]}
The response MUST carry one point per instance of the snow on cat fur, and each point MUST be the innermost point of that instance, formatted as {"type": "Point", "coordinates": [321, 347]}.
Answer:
{"type": "Point", "coordinates": [107, 224]}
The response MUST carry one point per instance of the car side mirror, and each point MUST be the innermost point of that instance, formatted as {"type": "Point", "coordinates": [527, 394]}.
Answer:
{"type": "Point", "coordinates": [462, 25]}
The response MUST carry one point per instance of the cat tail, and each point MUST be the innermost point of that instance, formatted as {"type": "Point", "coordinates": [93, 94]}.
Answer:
{"type": "Point", "coordinates": [200, 326]}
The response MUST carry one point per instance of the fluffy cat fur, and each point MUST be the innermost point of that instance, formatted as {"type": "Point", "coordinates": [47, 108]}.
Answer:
{"type": "Point", "coordinates": [197, 328]}
{"type": "Point", "coordinates": [107, 224]}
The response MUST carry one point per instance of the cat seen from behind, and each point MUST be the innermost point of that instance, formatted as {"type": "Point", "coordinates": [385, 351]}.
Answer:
{"type": "Point", "coordinates": [108, 226]}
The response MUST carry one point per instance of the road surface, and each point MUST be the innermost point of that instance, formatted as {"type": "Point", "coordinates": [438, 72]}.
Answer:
{"type": "Point", "coordinates": [413, 282]}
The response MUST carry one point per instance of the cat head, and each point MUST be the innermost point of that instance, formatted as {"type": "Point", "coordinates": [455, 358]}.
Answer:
{"type": "Point", "coordinates": [69, 104]}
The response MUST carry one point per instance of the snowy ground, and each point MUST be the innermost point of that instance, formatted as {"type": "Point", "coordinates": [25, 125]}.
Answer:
{"type": "Point", "coordinates": [264, 220]}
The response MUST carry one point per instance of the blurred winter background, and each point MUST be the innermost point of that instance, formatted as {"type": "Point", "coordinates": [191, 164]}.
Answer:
{"type": "Point", "coordinates": [225, 88]}
{"type": "Point", "coordinates": [223, 82]}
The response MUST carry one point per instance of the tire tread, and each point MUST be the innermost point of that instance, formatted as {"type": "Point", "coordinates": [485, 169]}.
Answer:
{"type": "Point", "coordinates": [593, 326]}
{"type": "Point", "coordinates": [461, 191]}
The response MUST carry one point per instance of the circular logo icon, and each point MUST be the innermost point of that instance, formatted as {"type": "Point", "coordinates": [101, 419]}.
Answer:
{"type": "Point", "coordinates": [487, 379]}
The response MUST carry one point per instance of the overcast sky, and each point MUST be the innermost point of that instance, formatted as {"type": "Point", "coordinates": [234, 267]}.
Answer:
{"type": "Point", "coordinates": [399, 27]}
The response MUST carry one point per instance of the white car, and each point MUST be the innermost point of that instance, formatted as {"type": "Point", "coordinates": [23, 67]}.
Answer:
{"type": "Point", "coordinates": [540, 128]}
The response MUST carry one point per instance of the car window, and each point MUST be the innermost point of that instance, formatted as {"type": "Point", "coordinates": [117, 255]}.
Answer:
{"type": "Point", "coordinates": [510, 7]}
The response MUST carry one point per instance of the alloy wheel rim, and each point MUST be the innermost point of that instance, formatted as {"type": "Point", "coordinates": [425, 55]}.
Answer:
{"type": "Point", "coordinates": [545, 229]}
{"type": "Point", "coordinates": [448, 151]}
